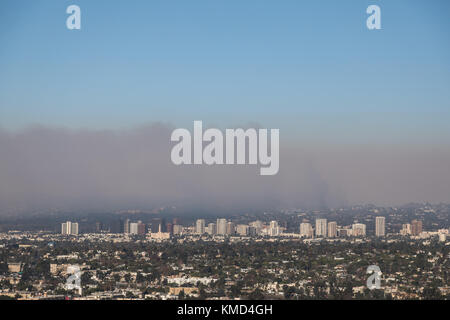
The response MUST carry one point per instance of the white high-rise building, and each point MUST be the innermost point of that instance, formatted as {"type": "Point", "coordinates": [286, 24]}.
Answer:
{"type": "Point", "coordinates": [274, 229]}
{"type": "Point", "coordinates": [332, 229]}
{"type": "Point", "coordinates": [200, 226]}
{"type": "Point", "coordinates": [221, 226]}
{"type": "Point", "coordinates": [133, 228]}
{"type": "Point", "coordinates": [74, 229]}
{"type": "Point", "coordinates": [65, 226]}
{"type": "Point", "coordinates": [306, 230]}
{"type": "Point", "coordinates": [380, 226]}
{"type": "Point", "coordinates": [126, 226]}
{"type": "Point", "coordinates": [321, 227]}
{"type": "Point", "coordinates": [69, 228]}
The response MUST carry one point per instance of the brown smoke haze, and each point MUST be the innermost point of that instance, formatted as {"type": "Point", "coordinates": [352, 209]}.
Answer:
{"type": "Point", "coordinates": [43, 168]}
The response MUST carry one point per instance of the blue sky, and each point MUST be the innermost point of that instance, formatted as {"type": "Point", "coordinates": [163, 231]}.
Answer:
{"type": "Point", "coordinates": [310, 68]}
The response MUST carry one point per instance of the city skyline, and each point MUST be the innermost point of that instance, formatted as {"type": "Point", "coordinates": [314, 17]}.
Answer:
{"type": "Point", "coordinates": [272, 255]}
{"type": "Point", "coordinates": [214, 158]}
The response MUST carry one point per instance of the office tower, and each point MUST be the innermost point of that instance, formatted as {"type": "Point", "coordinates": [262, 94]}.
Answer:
{"type": "Point", "coordinates": [380, 226]}
{"type": "Point", "coordinates": [140, 228]}
{"type": "Point", "coordinates": [200, 226]}
{"type": "Point", "coordinates": [274, 229]}
{"type": "Point", "coordinates": [230, 228]}
{"type": "Point", "coordinates": [69, 228]}
{"type": "Point", "coordinates": [242, 229]}
{"type": "Point", "coordinates": [64, 227]}
{"type": "Point", "coordinates": [306, 230]}
{"type": "Point", "coordinates": [221, 226]}
{"type": "Point", "coordinates": [358, 229]}
{"type": "Point", "coordinates": [416, 227]}
{"type": "Point", "coordinates": [211, 229]}
{"type": "Point", "coordinates": [74, 229]}
{"type": "Point", "coordinates": [332, 229]}
{"type": "Point", "coordinates": [126, 226]}
{"type": "Point", "coordinates": [321, 227]}
{"type": "Point", "coordinates": [98, 227]}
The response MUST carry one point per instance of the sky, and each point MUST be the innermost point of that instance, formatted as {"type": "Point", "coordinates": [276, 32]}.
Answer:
{"type": "Point", "coordinates": [373, 104]}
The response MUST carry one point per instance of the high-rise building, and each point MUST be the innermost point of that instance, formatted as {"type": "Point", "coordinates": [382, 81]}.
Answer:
{"type": "Point", "coordinates": [211, 229]}
{"type": "Point", "coordinates": [133, 228]}
{"type": "Point", "coordinates": [74, 229]}
{"type": "Point", "coordinates": [274, 229]}
{"type": "Point", "coordinates": [221, 226]}
{"type": "Point", "coordinates": [231, 228]}
{"type": "Point", "coordinates": [69, 228]}
{"type": "Point", "coordinates": [126, 226]}
{"type": "Point", "coordinates": [332, 229]}
{"type": "Point", "coordinates": [321, 227]}
{"type": "Point", "coordinates": [141, 228]}
{"type": "Point", "coordinates": [358, 230]}
{"type": "Point", "coordinates": [64, 227]}
{"type": "Point", "coordinates": [200, 226]}
{"type": "Point", "coordinates": [380, 226]}
{"type": "Point", "coordinates": [416, 227]}
{"type": "Point", "coordinates": [306, 230]}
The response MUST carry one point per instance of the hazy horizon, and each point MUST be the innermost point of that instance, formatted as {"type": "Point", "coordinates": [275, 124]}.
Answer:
{"type": "Point", "coordinates": [84, 169]}
{"type": "Point", "coordinates": [86, 115]}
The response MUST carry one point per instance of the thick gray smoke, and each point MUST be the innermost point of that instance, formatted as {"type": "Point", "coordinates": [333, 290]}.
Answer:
{"type": "Point", "coordinates": [44, 168]}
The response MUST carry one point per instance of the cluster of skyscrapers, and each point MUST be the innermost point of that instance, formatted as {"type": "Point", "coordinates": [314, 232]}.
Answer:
{"type": "Point", "coordinates": [414, 228]}
{"type": "Point", "coordinates": [137, 228]}
{"type": "Point", "coordinates": [69, 228]}
{"type": "Point", "coordinates": [225, 227]}
{"type": "Point", "coordinates": [324, 229]}
{"type": "Point", "coordinates": [321, 229]}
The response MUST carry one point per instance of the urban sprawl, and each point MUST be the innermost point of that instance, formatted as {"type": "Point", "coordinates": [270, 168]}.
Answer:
{"type": "Point", "coordinates": [287, 254]}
